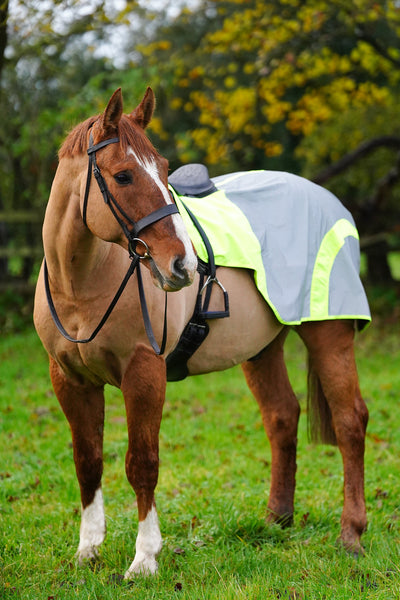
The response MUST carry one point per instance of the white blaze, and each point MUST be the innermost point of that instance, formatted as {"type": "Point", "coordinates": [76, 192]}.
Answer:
{"type": "Point", "coordinates": [149, 165]}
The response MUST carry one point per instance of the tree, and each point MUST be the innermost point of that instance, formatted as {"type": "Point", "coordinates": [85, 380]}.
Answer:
{"type": "Point", "coordinates": [3, 31]}
{"type": "Point", "coordinates": [53, 76]}
{"type": "Point", "coordinates": [290, 84]}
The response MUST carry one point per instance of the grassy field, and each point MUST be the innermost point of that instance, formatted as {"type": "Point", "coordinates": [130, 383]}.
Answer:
{"type": "Point", "coordinates": [212, 492]}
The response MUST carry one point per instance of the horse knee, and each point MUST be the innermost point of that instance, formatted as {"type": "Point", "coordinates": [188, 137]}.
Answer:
{"type": "Point", "coordinates": [350, 428]}
{"type": "Point", "coordinates": [142, 471]}
{"type": "Point", "coordinates": [282, 425]}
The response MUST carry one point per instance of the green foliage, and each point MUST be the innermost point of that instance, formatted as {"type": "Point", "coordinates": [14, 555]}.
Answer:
{"type": "Point", "coordinates": [212, 492]}
{"type": "Point", "coordinates": [53, 77]}
{"type": "Point", "coordinates": [277, 84]}
{"type": "Point", "coordinates": [264, 75]}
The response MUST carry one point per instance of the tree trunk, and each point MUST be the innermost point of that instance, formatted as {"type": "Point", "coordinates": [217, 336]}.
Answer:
{"type": "Point", "coordinates": [378, 268]}
{"type": "Point", "coordinates": [3, 30]}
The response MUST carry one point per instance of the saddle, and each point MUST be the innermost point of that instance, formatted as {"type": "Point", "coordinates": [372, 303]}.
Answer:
{"type": "Point", "coordinates": [193, 180]}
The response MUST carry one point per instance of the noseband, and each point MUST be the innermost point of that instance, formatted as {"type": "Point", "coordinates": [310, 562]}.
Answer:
{"type": "Point", "coordinates": [131, 232]}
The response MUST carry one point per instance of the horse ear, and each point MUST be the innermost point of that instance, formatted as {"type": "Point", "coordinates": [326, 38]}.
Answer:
{"type": "Point", "coordinates": [113, 113]}
{"type": "Point", "coordinates": [143, 113]}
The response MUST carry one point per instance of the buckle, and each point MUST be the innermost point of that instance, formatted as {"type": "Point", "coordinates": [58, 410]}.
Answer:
{"type": "Point", "coordinates": [132, 247]}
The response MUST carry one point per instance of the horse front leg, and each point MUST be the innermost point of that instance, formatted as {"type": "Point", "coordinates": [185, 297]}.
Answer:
{"type": "Point", "coordinates": [83, 405]}
{"type": "Point", "coordinates": [267, 378]}
{"type": "Point", "coordinates": [330, 345]}
{"type": "Point", "coordinates": [143, 387]}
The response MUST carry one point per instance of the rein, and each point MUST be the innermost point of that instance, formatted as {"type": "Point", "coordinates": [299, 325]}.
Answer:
{"type": "Point", "coordinates": [131, 235]}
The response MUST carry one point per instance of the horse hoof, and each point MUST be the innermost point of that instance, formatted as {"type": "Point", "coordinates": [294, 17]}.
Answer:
{"type": "Point", "coordinates": [88, 555]}
{"type": "Point", "coordinates": [285, 520]}
{"type": "Point", "coordinates": [144, 566]}
{"type": "Point", "coordinates": [353, 548]}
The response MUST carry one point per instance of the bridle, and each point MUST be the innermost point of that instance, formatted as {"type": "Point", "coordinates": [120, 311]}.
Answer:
{"type": "Point", "coordinates": [131, 232]}
{"type": "Point", "coordinates": [135, 226]}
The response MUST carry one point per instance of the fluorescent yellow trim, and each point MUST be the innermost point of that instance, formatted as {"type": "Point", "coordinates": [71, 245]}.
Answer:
{"type": "Point", "coordinates": [229, 231]}
{"type": "Point", "coordinates": [331, 244]}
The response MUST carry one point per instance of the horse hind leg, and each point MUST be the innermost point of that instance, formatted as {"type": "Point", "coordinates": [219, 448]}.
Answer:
{"type": "Point", "coordinates": [267, 378]}
{"type": "Point", "coordinates": [83, 405]}
{"type": "Point", "coordinates": [331, 351]}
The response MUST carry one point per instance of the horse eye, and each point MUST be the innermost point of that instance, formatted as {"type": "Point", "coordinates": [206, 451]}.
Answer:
{"type": "Point", "coordinates": [123, 178]}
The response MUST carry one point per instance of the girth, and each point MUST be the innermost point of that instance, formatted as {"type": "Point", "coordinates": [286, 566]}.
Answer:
{"type": "Point", "coordinates": [197, 328]}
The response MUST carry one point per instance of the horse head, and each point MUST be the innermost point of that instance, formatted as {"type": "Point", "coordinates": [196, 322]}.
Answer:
{"type": "Point", "coordinates": [133, 182]}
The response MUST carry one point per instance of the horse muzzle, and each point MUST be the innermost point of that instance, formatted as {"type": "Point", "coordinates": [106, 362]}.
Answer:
{"type": "Point", "coordinates": [180, 274]}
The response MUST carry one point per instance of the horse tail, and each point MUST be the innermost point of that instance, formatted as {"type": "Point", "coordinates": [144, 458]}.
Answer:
{"type": "Point", "coordinates": [319, 416]}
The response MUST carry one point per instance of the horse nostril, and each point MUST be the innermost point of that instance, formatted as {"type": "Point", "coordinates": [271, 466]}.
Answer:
{"type": "Point", "coordinates": [179, 270]}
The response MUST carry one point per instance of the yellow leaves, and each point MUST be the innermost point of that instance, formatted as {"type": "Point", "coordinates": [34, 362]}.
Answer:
{"type": "Point", "coordinates": [230, 82]}
{"type": "Point", "coordinates": [373, 63]}
{"type": "Point", "coordinates": [201, 137]}
{"type": "Point", "coordinates": [228, 109]}
{"type": "Point", "coordinates": [369, 93]}
{"type": "Point", "coordinates": [226, 119]}
{"type": "Point", "coordinates": [338, 93]}
{"type": "Point", "coordinates": [273, 149]}
{"type": "Point", "coordinates": [184, 82]}
{"type": "Point", "coordinates": [176, 103]}
{"type": "Point", "coordinates": [237, 108]}
{"type": "Point", "coordinates": [240, 31]}
{"type": "Point", "coordinates": [202, 101]}
{"type": "Point", "coordinates": [152, 48]}
{"type": "Point", "coordinates": [271, 64]}
{"type": "Point", "coordinates": [325, 62]}
{"type": "Point", "coordinates": [249, 69]}
{"type": "Point", "coordinates": [196, 73]}
{"type": "Point", "coordinates": [311, 17]}
{"type": "Point", "coordinates": [216, 149]}
{"type": "Point", "coordinates": [164, 45]}
{"type": "Point", "coordinates": [368, 10]}
{"type": "Point", "coordinates": [313, 108]}
{"type": "Point", "coordinates": [342, 94]}
{"type": "Point", "coordinates": [276, 111]}
{"type": "Point", "coordinates": [299, 122]}
{"type": "Point", "coordinates": [156, 126]}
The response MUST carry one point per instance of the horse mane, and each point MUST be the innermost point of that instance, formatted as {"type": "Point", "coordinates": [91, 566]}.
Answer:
{"type": "Point", "coordinates": [130, 135]}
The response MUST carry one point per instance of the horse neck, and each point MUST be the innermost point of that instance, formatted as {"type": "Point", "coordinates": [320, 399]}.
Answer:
{"type": "Point", "coordinates": [71, 250]}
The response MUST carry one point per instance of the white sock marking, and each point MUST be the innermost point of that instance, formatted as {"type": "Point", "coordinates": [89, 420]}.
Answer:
{"type": "Point", "coordinates": [148, 545]}
{"type": "Point", "coordinates": [93, 527]}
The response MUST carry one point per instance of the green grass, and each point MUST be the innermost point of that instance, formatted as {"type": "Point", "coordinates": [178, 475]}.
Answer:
{"type": "Point", "coordinates": [212, 492]}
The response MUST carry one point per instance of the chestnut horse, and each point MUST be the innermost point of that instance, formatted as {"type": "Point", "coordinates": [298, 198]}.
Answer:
{"type": "Point", "coordinates": [88, 252]}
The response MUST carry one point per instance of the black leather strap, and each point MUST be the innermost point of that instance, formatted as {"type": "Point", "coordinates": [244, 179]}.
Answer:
{"type": "Point", "coordinates": [146, 317]}
{"type": "Point", "coordinates": [210, 253]}
{"type": "Point", "coordinates": [92, 166]}
{"type": "Point", "coordinates": [160, 213]}
{"type": "Point", "coordinates": [202, 306]}
{"type": "Point", "coordinates": [100, 145]}
{"type": "Point", "coordinates": [108, 312]}
{"type": "Point", "coordinates": [135, 264]}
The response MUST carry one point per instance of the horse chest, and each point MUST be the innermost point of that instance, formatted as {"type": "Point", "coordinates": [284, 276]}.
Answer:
{"type": "Point", "coordinates": [97, 366]}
